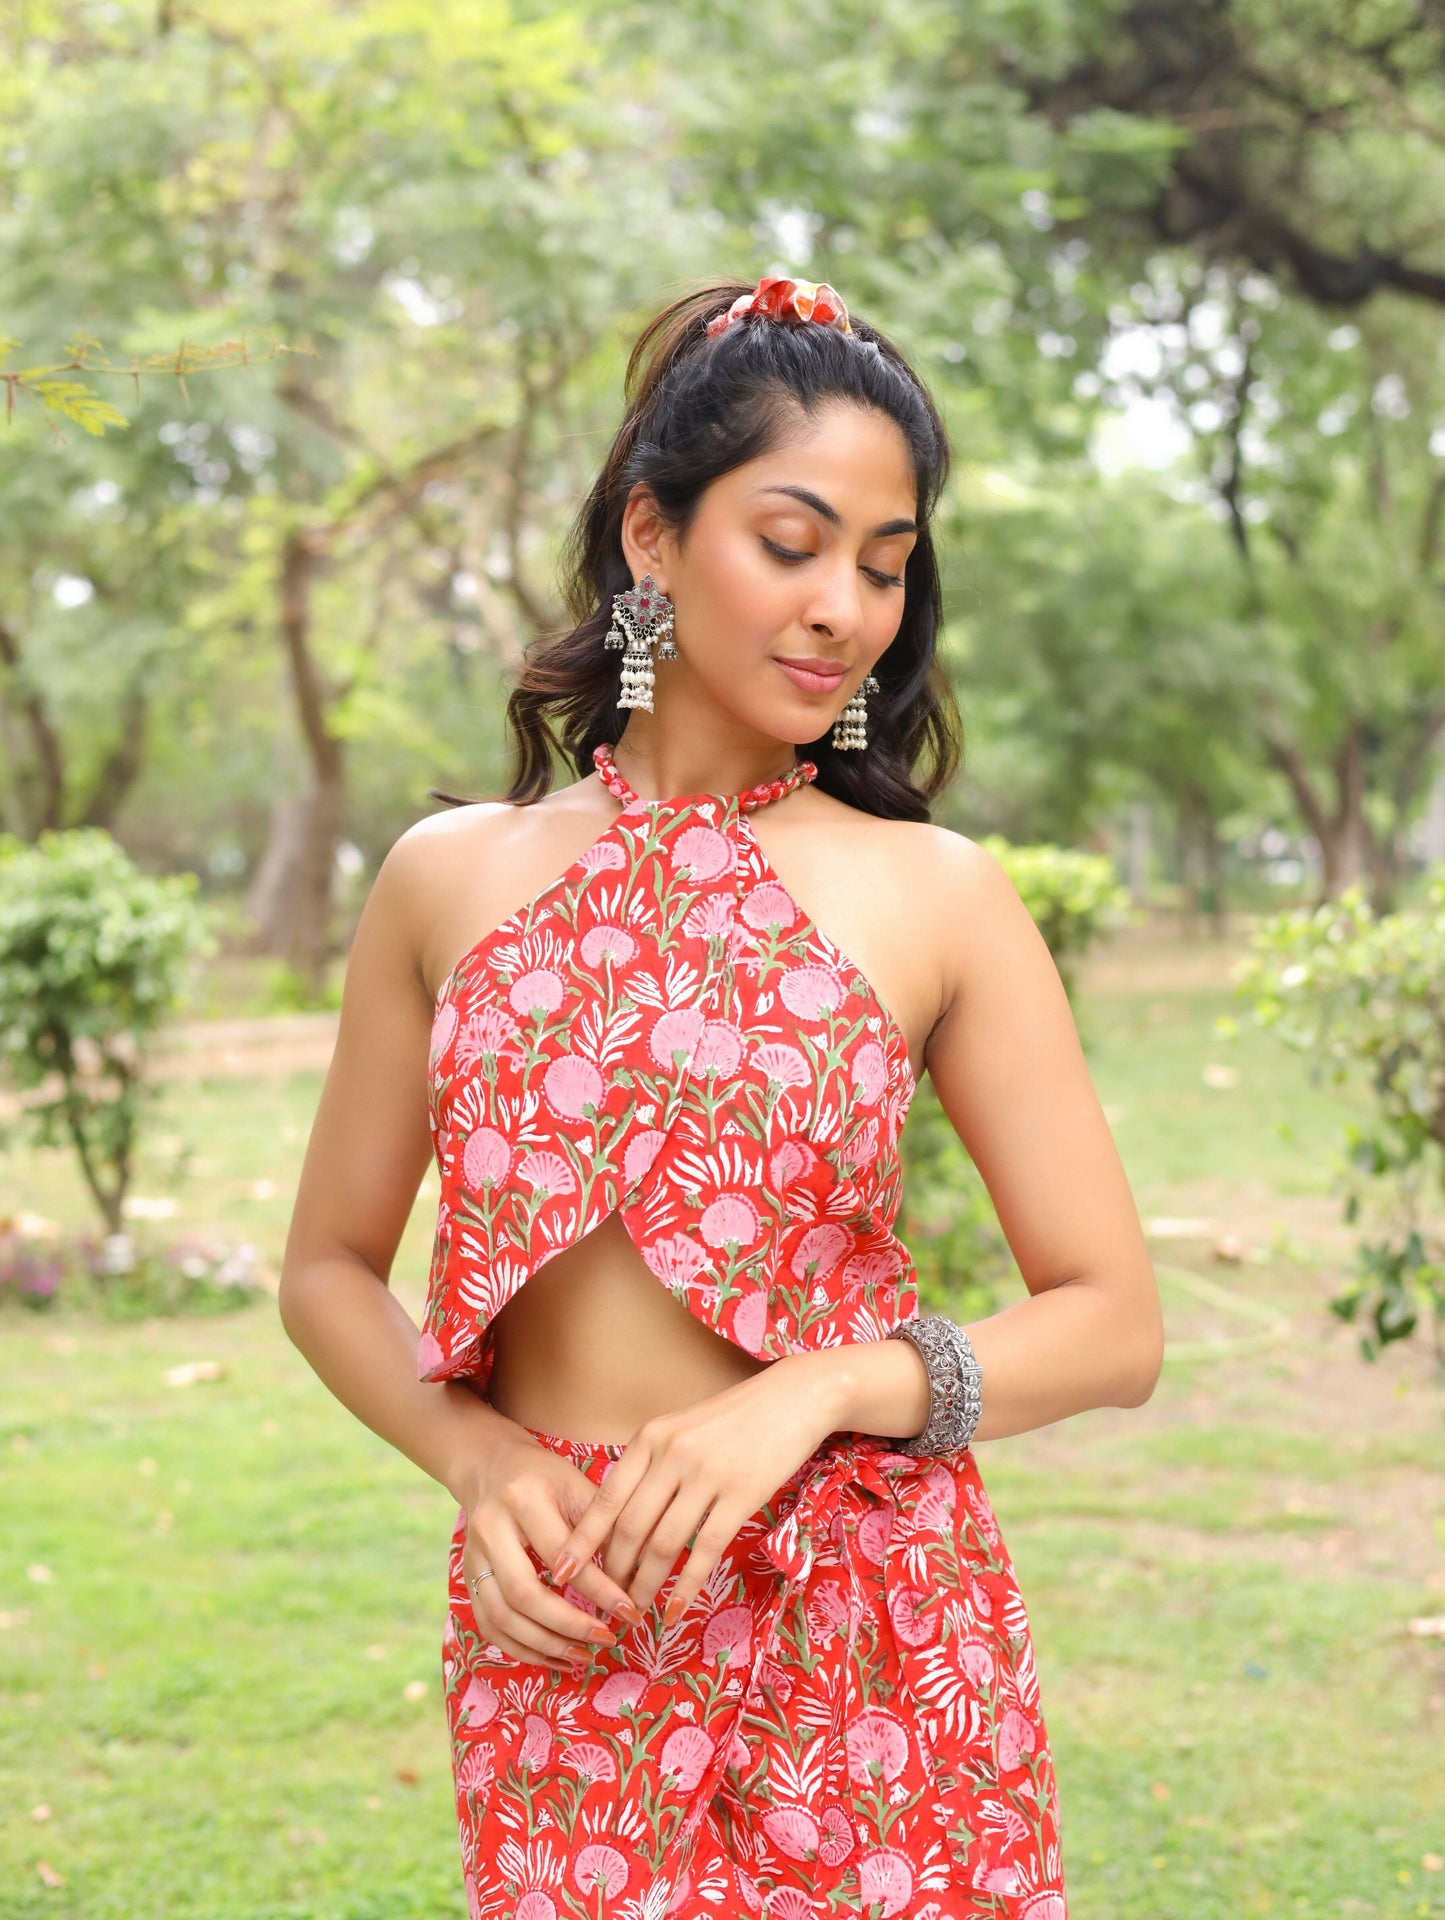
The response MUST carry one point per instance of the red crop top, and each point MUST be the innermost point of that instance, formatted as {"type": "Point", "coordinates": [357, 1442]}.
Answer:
{"type": "Point", "coordinates": [665, 1033]}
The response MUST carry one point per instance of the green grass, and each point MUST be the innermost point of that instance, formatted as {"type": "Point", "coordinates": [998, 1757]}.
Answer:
{"type": "Point", "coordinates": [210, 1692]}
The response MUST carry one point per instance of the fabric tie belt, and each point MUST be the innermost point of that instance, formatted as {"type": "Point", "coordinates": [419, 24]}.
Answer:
{"type": "Point", "coordinates": [873, 1504]}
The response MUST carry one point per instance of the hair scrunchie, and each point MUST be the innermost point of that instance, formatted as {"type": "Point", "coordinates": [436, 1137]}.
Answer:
{"type": "Point", "coordinates": [782, 299]}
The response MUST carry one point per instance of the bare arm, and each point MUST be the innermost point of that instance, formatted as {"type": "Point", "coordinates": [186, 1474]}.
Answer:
{"type": "Point", "coordinates": [370, 1143]}
{"type": "Point", "coordinates": [1005, 1060]}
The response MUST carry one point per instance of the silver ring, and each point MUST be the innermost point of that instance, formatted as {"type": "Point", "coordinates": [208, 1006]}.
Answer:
{"type": "Point", "coordinates": [477, 1579]}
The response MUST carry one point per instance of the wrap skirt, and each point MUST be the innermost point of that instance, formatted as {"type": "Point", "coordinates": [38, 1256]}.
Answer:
{"type": "Point", "coordinates": [846, 1719]}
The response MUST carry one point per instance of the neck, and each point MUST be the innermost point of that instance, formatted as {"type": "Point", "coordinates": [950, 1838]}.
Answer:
{"type": "Point", "coordinates": [657, 766]}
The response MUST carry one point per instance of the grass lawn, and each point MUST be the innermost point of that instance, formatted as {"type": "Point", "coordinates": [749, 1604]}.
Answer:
{"type": "Point", "coordinates": [221, 1604]}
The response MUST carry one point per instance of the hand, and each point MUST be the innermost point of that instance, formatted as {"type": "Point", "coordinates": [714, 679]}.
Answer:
{"type": "Point", "coordinates": [527, 1495]}
{"type": "Point", "coordinates": [692, 1478]}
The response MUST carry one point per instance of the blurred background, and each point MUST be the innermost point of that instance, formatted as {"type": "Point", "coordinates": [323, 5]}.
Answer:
{"type": "Point", "coordinates": [313, 320]}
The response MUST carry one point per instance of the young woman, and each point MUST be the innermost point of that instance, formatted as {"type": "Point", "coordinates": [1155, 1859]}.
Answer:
{"type": "Point", "coordinates": [660, 1030]}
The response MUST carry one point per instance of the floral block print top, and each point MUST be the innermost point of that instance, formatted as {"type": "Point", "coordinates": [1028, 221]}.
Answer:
{"type": "Point", "coordinates": [665, 1033]}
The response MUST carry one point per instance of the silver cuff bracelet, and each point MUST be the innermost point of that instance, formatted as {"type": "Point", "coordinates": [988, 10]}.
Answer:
{"type": "Point", "coordinates": [954, 1384]}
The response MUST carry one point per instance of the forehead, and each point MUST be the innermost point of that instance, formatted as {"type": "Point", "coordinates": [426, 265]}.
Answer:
{"type": "Point", "coordinates": [853, 457]}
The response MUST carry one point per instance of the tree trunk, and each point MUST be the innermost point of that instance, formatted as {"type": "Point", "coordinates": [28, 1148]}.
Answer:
{"type": "Point", "coordinates": [1213, 852]}
{"type": "Point", "coordinates": [1140, 822]}
{"type": "Point", "coordinates": [291, 897]}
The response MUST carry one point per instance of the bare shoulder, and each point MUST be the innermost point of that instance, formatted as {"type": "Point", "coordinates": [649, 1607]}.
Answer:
{"type": "Point", "coordinates": [459, 871]}
{"type": "Point", "coordinates": [981, 918]}
{"type": "Point", "coordinates": [421, 867]}
{"type": "Point", "coordinates": [939, 878]}
{"type": "Point", "coordinates": [428, 863]}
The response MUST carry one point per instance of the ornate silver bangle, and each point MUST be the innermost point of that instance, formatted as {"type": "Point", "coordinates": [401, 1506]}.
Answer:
{"type": "Point", "coordinates": [955, 1379]}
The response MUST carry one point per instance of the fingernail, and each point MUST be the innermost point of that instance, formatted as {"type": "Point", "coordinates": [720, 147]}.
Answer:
{"type": "Point", "coordinates": [630, 1612]}
{"type": "Point", "coordinates": [565, 1567]}
{"type": "Point", "coordinates": [604, 1635]}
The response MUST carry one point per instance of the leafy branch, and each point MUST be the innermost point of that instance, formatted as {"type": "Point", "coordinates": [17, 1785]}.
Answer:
{"type": "Point", "coordinates": [76, 400]}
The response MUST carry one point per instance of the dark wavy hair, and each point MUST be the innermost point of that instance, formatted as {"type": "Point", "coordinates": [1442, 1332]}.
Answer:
{"type": "Point", "coordinates": [696, 408]}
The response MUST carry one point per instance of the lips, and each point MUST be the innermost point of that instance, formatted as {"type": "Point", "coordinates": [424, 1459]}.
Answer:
{"type": "Point", "coordinates": [814, 675]}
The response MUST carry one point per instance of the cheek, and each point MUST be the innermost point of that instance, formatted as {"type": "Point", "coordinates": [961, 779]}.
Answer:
{"type": "Point", "coordinates": [748, 602]}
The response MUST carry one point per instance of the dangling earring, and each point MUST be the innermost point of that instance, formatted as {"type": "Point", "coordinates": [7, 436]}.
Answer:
{"type": "Point", "coordinates": [849, 729]}
{"type": "Point", "coordinates": [641, 616]}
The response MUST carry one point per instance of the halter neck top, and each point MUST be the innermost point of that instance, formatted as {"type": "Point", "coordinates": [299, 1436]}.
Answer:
{"type": "Point", "coordinates": [663, 1032]}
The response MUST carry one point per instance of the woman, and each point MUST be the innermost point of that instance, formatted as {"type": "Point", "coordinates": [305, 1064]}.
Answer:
{"type": "Point", "coordinates": [613, 1015]}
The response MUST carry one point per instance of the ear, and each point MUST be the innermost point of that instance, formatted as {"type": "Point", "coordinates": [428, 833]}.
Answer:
{"type": "Point", "coordinates": [644, 538]}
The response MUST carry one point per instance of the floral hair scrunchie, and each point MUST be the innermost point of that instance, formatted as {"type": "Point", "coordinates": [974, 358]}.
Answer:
{"type": "Point", "coordinates": [782, 299]}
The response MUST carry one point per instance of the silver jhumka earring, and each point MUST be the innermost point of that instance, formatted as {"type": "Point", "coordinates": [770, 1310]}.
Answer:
{"type": "Point", "coordinates": [641, 617]}
{"type": "Point", "coordinates": [850, 729]}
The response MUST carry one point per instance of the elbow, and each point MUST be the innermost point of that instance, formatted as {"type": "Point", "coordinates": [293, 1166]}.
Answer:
{"type": "Point", "coordinates": [1141, 1381]}
{"type": "Point", "coordinates": [290, 1309]}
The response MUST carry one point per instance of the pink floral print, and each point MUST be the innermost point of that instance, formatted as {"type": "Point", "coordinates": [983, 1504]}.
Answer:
{"type": "Point", "coordinates": [847, 1719]}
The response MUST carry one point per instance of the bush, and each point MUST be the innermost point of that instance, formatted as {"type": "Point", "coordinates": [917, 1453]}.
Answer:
{"type": "Point", "coordinates": [124, 1278]}
{"type": "Point", "coordinates": [1359, 992]}
{"type": "Point", "coordinates": [1072, 897]}
{"type": "Point", "coordinates": [94, 956]}
{"type": "Point", "coordinates": [947, 1218]}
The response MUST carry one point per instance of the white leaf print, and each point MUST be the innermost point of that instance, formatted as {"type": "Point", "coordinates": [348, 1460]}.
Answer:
{"type": "Point", "coordinates": [951, 1693]}
{"type": "Point", "coordinates": [486, 1294]}
{"type": "Point", "coordinates": [729, 1164]}
{"type": "Point", "coordinates": [644, 989]}
{"type": "Point", "coordinates": [683, 983]}
{"type": "Point", "coordinates": [1015, 1618]}
{"type": "Point", "coordinates": [605, 1037]}
{"type": "Point", "coordinates": [800, 1784]}
{"type": "Point", "coordinates": [866, 1325]}
{"type": "Point", "coordinates": [935, 1868]}
{"type": "Point", "coordinates": [717, 1589]}
{"type": "Point", "coordinates": [959, 1619]}
{"type": "Point", "coordinates": [811, 1710]}
{"type": "Point", "coordinates": [915, 1563]}
{"type": "Point", "coordinates": [1027, 1675]}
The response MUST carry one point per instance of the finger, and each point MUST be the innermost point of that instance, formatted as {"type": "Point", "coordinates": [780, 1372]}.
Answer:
{"type": "Point", "coordinates": [550, 1536]}
{"type": "Point", "coordinates": [514, 1600]}
{"type": "Point", "coordinates": [714, 1536]}
{"type": "Point", "coordinates": [676, 1530]}
{"type": "Point", "coordinates": [597, 1527]}
{"type": "Point", "coordinates": [577, 1664]}
{"type": "Point", "coordinates": [488, 1617]}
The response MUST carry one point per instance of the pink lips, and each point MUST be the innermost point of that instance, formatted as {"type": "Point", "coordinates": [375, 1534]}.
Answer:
{"type": "Point", "coordinates": [814, 676]}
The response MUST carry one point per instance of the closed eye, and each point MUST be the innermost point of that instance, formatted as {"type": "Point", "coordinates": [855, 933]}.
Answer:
{"type": "Point", "coordinates": [790, 558]}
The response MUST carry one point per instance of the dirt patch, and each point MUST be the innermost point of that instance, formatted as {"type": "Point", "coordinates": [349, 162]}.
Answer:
{"type": "Point", "coordinates": [1160, 958]}
{"type": "Point", "coordinates": [269, 1048]}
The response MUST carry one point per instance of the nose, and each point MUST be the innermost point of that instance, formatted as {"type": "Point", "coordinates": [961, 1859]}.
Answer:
{"type": "Point", "coordinates": [835, 606]}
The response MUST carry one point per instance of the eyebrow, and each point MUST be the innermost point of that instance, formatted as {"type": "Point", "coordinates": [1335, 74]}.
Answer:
{"type": "Point", "coordinates": [832, 515]}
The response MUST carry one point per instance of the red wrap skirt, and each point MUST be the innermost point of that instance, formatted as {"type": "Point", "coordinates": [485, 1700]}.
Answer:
{"type": "Point", "coordinates": [845, 1720]}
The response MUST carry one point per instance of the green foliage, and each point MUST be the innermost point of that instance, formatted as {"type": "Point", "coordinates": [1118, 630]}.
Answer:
{"type": "Point", "coordinates": [94, 957]}
{"type": "Point", "coordinates": [286, 989]}
{"type": "Point", "coordinates": [1072, 896]}
{"type": "Point", "coordinates": [1357, 991]}
{"type": "Point", "coordinates": [76, 401]}
{"type": "Point", "coordinates": [122, 1278]}
{"type": "Point", "coordinates": [947, 1219]}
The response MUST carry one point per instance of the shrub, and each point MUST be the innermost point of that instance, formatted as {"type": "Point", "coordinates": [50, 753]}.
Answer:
{"type": "Point", "coordinates": [123, 1277]}
{"type": "Point", "coordinates": [94, 956]}
{"type": "Point", "coordinates": [1359, 992]}
{"type": "Point", "coordinates": [1072, 897]}
{"type": "Point", "coordinates": [947, 1219]}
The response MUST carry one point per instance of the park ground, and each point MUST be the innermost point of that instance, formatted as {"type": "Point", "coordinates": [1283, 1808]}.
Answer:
{"type": "Point", "coordinates": [221, 1603]}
